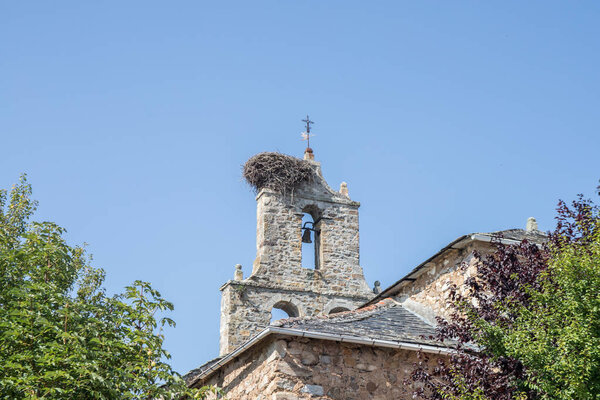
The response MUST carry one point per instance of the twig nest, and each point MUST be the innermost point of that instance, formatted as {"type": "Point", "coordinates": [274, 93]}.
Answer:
{"type": "Point", "coordinates": [277, 171]}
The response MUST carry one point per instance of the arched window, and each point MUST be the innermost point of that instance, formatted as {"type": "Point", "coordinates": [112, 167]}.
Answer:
{"type": "Point", "coordinates": [337, 310]}
{"type": "Point", "coordinates": [283, 310]}
{"type": "Point", "coordinates": [311, 238]}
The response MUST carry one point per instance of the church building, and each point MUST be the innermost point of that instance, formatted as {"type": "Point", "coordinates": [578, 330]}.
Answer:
{"type": "Point", "coordinates": [343, 340]}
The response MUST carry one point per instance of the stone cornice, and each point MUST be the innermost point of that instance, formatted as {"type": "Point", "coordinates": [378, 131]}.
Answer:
{"type": "Point", "coordinates": [282, 289]}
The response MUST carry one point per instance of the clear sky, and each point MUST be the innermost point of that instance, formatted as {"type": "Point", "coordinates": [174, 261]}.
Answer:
{"type": "Point", "coordinates": [132, 120]}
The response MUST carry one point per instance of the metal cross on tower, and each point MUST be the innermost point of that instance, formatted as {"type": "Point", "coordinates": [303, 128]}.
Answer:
{"type": "Point", "coordinates": [306, 135]}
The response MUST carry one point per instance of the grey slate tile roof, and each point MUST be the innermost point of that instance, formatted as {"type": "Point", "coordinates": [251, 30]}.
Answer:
{"type": "Point", "coordinates": [534, 236]}
{"type": "Point", "coordinates": [386, 320]}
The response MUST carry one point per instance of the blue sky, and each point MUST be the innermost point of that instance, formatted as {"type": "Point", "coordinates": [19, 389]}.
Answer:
{"type": "Point", "coordinates": [132, 120]}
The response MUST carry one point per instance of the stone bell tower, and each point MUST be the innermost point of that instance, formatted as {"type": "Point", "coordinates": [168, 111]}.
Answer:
{"type": "Point", "coordinates": [278, 279]}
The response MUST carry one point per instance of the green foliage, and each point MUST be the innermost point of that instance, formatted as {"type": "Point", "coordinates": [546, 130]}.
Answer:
{"type": "Point", "coordinates": [557, 336]}
{"type": "Point", "coordinates": [462, 391]}
{"type": "Point", "coordinates": [61, 335]}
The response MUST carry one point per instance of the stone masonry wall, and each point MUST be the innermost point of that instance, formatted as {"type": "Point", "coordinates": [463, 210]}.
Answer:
{"type": "Point", "coordinates": [428, 295]}
{"type": "Point", "coordinates": [290, 368]}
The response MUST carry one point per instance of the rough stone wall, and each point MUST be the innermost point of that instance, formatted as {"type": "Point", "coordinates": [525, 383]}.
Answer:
{"type": "Point", "coordinates": [428, 295]}
{"type": "Point", "coordinates": [294, 368]}
{"type": "Point", "coordinates": [277, 274]}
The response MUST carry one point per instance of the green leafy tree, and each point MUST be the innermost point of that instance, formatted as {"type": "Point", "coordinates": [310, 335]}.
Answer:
{"type": "Point", "coordinates": [557, 335]}
{"type": "Point", "coordinates": [61, 335]}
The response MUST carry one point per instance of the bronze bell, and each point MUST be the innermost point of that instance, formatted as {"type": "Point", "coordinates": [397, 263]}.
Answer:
{"type": "Point", "coordinates": [306, 236]}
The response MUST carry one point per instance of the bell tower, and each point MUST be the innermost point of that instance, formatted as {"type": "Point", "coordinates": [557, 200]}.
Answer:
{"type": "Point", "coordinates": [334, 280]}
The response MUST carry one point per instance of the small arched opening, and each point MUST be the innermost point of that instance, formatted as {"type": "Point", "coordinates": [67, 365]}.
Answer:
{"type": "Point", "coordinates": [283, 310]}
{"type": "Point", "coordinates": [338, 310]}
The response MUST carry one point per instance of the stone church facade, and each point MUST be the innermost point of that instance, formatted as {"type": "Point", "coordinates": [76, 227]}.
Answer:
{"type": "Point", "coordinates": [343, 341]}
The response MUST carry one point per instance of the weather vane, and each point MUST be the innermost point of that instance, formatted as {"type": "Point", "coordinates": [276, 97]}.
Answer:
{"type": "Point", "coordinates": [306, 134]}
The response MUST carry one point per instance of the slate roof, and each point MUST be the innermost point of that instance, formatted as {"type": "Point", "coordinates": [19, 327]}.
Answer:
{"type": "Point", "coordinates": [534, 236]}
{"type": "Point", "coordinates": [386, 320]}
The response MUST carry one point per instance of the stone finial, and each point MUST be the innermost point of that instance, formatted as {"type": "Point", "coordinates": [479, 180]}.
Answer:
{"type": "Point", "coordinates": [344, 189]}
{"type": "Point", "coordinates": [308, 154]}
{"type": "Point", "coordinates": [239, 274]}
{"type": "Point", "coordinates": [531, 225]}
{"type": "Point", "coordinates": [377, 287]}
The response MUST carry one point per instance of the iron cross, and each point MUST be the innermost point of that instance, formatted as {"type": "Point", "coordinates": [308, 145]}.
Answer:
{"type": "Point", "coordinates": [306, 135]}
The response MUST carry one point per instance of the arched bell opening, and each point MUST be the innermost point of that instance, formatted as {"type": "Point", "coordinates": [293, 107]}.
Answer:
{"type": "Point", "coordinates": [283, 310]}
{"type": "Point", "coordinates": [311, 237]}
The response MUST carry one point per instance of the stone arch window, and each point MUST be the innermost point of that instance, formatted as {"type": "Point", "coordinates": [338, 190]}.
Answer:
{"type": "Point", "coordinates": [338, 305]}
{"type": "Point", "coordinates": [283, 309]}
{"type": "Point", "coordinates": [338, 310]}
{"type": "Point", "coordinates": [311, 237]}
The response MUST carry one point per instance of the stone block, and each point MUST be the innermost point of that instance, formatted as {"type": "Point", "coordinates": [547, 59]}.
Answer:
{"type": "Point", "coordinates": [309, 358]}
{"type": "Point", "coordinates": [284, 396]}
{"type": "Point", "coordinates": [313, 390]}
{"type": "Point", "coordinates": [293, 370]}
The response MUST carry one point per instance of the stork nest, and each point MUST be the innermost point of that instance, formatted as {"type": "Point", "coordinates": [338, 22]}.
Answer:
{"type": "Point", "coordinates": [276, 171]}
